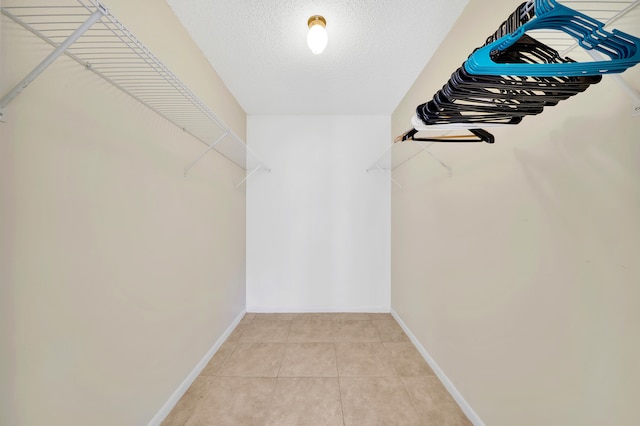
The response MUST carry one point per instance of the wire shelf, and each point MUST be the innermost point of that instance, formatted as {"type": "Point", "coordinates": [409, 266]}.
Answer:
{"type": "Point", "coordinates": [607, 12]}
{"type": "Point", "coordinates": [107, 48]}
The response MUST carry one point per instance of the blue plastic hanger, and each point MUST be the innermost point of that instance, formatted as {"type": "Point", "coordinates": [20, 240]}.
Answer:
{"type": "Point", "coordinates": [622, 48]}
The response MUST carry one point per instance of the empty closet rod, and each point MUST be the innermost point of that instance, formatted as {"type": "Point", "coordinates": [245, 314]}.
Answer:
{"type": "Point", "coordinates": [6, 99]}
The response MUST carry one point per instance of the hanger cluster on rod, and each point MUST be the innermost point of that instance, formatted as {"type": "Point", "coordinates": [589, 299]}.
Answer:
{"type": "Point", "coordinates": [514, 75]}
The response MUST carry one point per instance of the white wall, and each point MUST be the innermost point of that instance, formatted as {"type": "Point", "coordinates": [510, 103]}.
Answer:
{"type": "Point", "coordinates": [519, 274]}
{"type": "Point", "coordinates": [117, 273]}
{"type": "Point", "coordinates": [318, 224]}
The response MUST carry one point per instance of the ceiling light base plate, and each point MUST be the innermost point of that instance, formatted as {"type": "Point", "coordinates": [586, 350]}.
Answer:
{"type": "Point", "coordinates": [317, 20]}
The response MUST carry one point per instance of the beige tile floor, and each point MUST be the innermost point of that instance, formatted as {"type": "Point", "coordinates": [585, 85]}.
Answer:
{"type": "Point", "coordinates": [317, 369]}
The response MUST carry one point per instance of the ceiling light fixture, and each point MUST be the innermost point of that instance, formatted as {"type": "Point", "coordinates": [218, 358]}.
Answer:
{"type": "Point", "coordinates": [317, 36]}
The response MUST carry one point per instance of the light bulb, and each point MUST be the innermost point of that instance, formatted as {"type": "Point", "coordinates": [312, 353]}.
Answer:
{"type": "Point", "coordinates": [317, 36]}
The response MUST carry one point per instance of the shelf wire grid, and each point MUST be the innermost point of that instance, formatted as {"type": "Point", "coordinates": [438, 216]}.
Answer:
{"type": "Point", "coordinates": [111, 51]}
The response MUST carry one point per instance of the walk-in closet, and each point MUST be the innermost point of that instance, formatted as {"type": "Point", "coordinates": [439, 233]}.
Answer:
{"type": "Point", "coordinates": [319, 213]}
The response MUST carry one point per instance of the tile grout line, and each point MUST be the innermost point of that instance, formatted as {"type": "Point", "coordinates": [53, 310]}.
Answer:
{"type": "Point", "coordinates": [219, 372]}
{"type": "Point", "coordinates": [235, 346]}
{"type": "Point", "coordinates": [335, 349]}
{"type": "Point", "coordinates": [284, 351]}
{"type": "Point", "coordinates": [273, 394]}
{"type": "Point", "coordinates": [275, 387]}
{"type": "Point", "coordinates": [413, 402]}
{"type": "Point", "coordinates": [388, 353]}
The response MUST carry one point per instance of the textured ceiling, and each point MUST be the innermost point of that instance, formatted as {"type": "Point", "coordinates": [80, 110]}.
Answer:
{"type": "Point", "coordinates": [376, 50]}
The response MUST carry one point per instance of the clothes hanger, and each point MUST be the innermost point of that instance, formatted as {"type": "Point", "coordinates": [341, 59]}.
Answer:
{"type": "Point", "coordinates": [551, 87]}
{"type": "Point", "coordinates": [522, 14]}
{"type": "Point", "coordinates": [477, 135]}
{"type": "Point", "coordinates": [503, 99]}
{"type": "Point", "coordinates": [585, 29]}
{"type": "Point", "coordinates": [507, 90]}
{"type": "Point", "coordinates": [622, 49]}
{"type": "Point", "coordinates": [528, 50]}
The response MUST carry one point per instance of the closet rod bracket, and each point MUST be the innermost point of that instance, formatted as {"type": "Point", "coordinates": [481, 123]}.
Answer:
{"type": "Point", "coordinates": [386, 172]}
{"type": "Point", "coordinates": [436, 158]}
{"type": "Point", "coordinates": [62, 47]}
{"type": "Point", "coordinates": [212, 146]}
{"type": "Point", "coordinates": [246, 178]}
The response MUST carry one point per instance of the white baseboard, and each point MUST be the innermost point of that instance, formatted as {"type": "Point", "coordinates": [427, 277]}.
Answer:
{"type": "Point", "coordinates": [316, 309]}
{"type": "Point", "coordinates": [186, 383]}
{"type": "Point", "coordinates": [457, 396]}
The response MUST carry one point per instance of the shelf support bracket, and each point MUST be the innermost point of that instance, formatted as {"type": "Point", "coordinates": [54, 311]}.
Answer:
{"type": "Point", "coordinates": [435, 157]}
{"type": "Point", "coordinates": [213, 145]}
{"type": "Point", "coordinates": [246, 178]}
{"type": "Point", "coordinates": [386, 172]}
{"type": "Point", "coordinates": [6, 99]}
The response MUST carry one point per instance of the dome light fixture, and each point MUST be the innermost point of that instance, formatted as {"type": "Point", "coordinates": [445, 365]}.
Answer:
{"type": "Point", "coordinates": [317, 36]}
